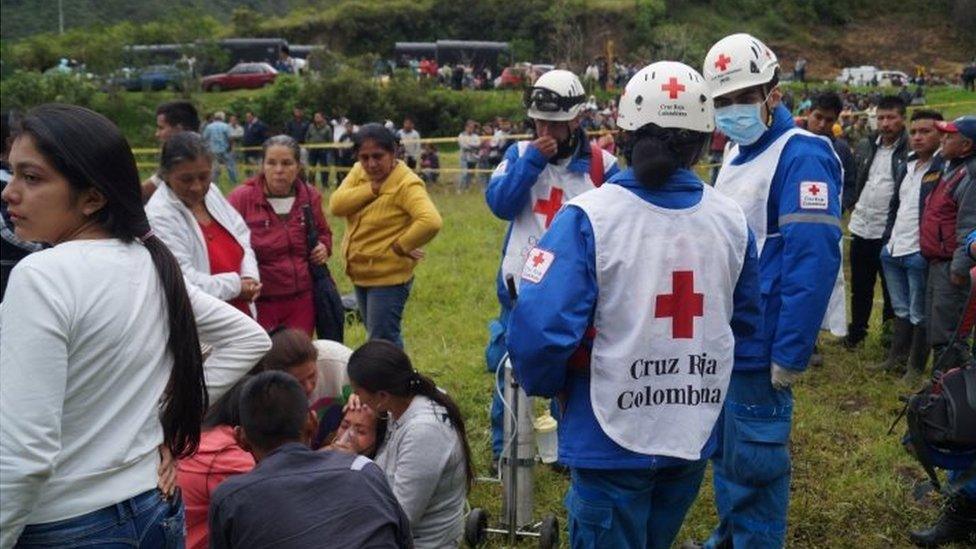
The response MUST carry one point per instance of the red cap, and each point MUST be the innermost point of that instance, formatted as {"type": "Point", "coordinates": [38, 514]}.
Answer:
{"type": "Point", "coordinates": [946, 126]}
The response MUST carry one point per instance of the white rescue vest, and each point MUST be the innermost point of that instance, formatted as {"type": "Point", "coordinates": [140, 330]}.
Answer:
{"type": "Point", "coordinates": [748, 184]}
{"type": "Point", "coordinates": [555, 186]}
{"type": "Point", "coordinates": [663, 352]}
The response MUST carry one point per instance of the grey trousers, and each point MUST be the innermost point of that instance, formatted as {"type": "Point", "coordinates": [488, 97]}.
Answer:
{"type": "Point", "coordinates": [944, 303]}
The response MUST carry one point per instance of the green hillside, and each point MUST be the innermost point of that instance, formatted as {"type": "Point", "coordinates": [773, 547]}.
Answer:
{"type": "Point", "coordinates": [831, 33]}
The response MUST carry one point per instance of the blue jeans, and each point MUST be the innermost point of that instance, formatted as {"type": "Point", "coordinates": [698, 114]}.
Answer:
{"type": "Point", "coordinates": [146, 520]}
{"type": "Point", "coordinates": [629, 508]}
{"type": "Point", "coordinates": [382, 310]}
{"type": "Point", "coordinates": [752, 467]}
{"type": "Point", "coordinates": [228, 159]}
{"type": "Point", "coordinates": [905, 276]}
{"type": "Point", "coordinates": [465, 177]}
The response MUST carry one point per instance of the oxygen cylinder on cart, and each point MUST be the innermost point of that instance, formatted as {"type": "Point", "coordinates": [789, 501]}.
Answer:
{"type": "Point", "coordinates": [518, 455]}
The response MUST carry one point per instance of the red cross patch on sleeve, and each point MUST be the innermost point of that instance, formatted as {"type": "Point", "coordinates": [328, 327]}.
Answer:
{"type": "Point", "coordinates": [814, 195]}
{"type": "Point", "coordinates": [536, 264]}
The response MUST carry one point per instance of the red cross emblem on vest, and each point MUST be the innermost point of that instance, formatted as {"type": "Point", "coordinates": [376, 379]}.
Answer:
{"type": "Point", "coordinates": [538, 259]}
{"type": "Point", "coordinates": [673, 87]}
{"type": "Point", "coordinates": [549, 207]}
{"type": "Point", "coordinates": [682, 305]}
{"type": "Point", "coordinates": [814, 190]}
{"type": "Point", "coordinates": [722, 63]}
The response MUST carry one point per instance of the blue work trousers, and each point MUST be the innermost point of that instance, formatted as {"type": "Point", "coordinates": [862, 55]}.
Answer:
{"type": "Point", "coordinates": [752, 467]}
{"type": "Point", "coordinates": [382, 310]}
{"type": "Point", "coordinates": [146, 520]}
{"type": "Point", "coordinates": [630, 508]}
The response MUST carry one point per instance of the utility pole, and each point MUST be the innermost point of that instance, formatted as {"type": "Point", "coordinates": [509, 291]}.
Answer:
{"type": "Point", "coordinates": [60, 16]}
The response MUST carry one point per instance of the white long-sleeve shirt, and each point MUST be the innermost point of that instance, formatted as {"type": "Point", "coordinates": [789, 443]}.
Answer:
{"type": "Point", "coordinates": [174, 223]}
{"type": "Point", "coordinates": [84, 362]}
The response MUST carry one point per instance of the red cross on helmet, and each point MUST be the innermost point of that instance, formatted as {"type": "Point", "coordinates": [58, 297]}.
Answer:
{"type": "Point", "coordinates": [668, 94]}
{"type": "Point", "coordinates": [737, 62]}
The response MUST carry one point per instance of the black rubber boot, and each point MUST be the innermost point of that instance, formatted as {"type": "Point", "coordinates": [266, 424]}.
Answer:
{"type": "Point", "coordinates": [956, 524]}
{"type": "Point", "coordinates": [854, 338]}
{"type": "Point", "coordinates": [901, 342]}
{"type": "Point", "coordinates": [918, 356]}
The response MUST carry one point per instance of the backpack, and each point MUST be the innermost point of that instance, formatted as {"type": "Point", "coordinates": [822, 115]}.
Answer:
{"type": "Point", "coordinates": [941, 421]}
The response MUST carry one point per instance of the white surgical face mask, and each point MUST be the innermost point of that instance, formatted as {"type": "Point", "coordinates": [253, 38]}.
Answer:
{"type": "Point", "coordinates": [741, 123]}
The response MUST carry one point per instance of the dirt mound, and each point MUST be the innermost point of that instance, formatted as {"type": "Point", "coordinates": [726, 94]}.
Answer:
{"type": "Point", "coordinates": [888, 42]}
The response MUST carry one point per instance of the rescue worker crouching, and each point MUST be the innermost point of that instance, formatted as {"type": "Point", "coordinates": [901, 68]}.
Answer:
{"type": "Point", "coordinates": [629, 311]}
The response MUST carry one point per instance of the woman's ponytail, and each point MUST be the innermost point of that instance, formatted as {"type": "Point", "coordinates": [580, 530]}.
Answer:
{"type": "Point", "coordinates": [655, 153]}
{"type": "Point", "coordinates": [423, 385]}
{"type": "Point", "coordinates": [185, 400]}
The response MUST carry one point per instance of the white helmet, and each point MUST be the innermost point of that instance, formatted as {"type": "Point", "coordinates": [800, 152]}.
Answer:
{"type": "Point", "coordinates": [668, 94]}
{"type": "Point", "coordinates": [557, 95]}
{"type": "Point", "coordinates": [737, 62]}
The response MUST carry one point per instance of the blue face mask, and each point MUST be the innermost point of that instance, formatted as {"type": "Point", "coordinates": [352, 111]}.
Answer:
{"type": "Point", "coordinates": [741, 123]}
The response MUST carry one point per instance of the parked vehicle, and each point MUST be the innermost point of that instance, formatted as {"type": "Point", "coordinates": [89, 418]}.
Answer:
{"type": "Point", "coordinates": [242, 75]}
{"type": "Point", "coordinates": [521, 74]}
{"type": "Point", "coordinates": [858, 76]}
{"type": "Point", "coordinates": [153, 77]}
{"type": "Point", "coordinates": [892, 78]}
{"type": "Point", "coordinates": [869, 74]}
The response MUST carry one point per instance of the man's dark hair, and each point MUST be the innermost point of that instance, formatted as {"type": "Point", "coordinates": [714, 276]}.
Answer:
{"type": "Point", "coordinates": [408, 117]}
{"type": "Point", "coordinates": [273, 410]}
{"type": "Point", "coordinates": [180, 113]}
{"type": "Point", "coordinates": [926, 114]}
{"type": "Point", "coordinates": [828, 101]}
{"type": "Point", "coordinates": [892, 103]}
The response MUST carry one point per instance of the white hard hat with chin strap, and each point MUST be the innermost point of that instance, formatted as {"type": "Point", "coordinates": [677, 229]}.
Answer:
{"type": "Point", "coordinates": [557, 95]}
{"type": "Point", "coordinates": [738, 62]}
{"type": "Point", "coordinates": [668, 94]}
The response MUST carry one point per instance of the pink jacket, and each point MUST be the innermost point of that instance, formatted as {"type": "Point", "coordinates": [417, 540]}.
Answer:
{"type": "Point", "coordinates": [218, 457]}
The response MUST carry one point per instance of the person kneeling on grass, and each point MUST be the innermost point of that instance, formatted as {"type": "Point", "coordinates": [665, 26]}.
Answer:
{"type": "Point", "coordinates": [296, 497]}
{"type": "Point", "coordinates": [425, 455]}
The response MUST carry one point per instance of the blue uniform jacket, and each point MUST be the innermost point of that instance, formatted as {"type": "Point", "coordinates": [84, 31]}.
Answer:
{"type": "Point", "coordinates": [550, 318]}
{"type": "Point", "coordinates": [508, 193]}
{"type": "Point", "coordinates": [797, 269]}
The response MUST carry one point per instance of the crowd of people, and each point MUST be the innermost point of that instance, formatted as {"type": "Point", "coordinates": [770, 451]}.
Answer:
{"type": "Point", "coordinates": [166, 379]}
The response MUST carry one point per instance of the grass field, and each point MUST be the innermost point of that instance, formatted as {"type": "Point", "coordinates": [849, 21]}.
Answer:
{"type": "Point", "coordinates": [851, 484]}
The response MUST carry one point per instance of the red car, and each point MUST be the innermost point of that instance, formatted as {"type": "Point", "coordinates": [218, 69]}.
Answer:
{"type": "Point", "coordinates": [243, 75]}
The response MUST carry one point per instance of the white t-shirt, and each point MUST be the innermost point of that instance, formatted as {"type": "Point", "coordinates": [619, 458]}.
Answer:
{"type": "Point", "coordinates": [411, 143]}
{"type": "Point", "coordinates": [904, 234]}
{"type": "Point", "coordinates": [85, 361]}
{"type": "Point", "coordinates": [871, 211]}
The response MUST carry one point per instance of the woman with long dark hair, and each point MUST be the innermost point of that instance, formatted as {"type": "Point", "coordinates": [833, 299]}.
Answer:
{"type": "Point", "coordinates": [426, 455]}
{"type": "Point", "coordinates": [389, 217]}
{"type": "Point", "coordinates": [101, 360]}
{"type": "Point", "coordinates": [629, 310]}
{"type": "Point", "coordinates": [273, 205]}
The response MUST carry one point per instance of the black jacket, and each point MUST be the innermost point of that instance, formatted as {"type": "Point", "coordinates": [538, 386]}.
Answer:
{"type": "Point", "coordinates": [898, 160]}
{"type": "Point", "coordinates": [929, 180]}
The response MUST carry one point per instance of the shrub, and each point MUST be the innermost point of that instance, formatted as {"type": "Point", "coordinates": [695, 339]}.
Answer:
{"type": "Point", "coordinates": [25, 89]}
